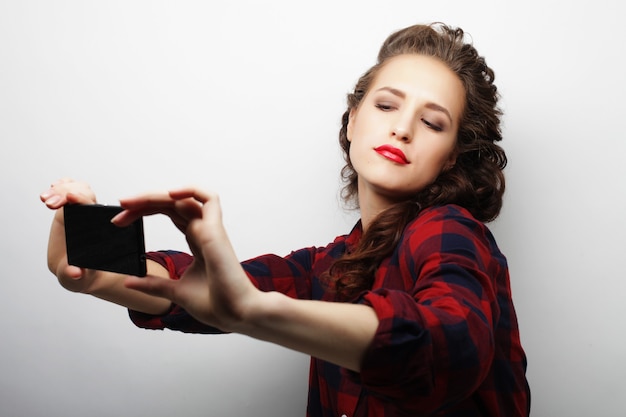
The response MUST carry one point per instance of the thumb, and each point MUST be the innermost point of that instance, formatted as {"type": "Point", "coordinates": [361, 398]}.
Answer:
{"type": "Point", "coordinates": [152, 285]}
{"type": "Point", "coordinates": [72, 272]}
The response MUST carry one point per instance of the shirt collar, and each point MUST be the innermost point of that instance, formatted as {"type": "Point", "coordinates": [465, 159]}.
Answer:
{"type": "Point", "coordinates": [354, 237]}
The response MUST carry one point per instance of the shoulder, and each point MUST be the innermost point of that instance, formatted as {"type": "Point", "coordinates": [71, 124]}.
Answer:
{"type": "Point", "coordinates": [448, 228]}
{"type": "Point", "coordinates": [445, 218]}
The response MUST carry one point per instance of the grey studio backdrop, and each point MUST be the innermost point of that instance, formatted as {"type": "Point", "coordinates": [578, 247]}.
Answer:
{"type": "Point", "coordinates": [244, 98]}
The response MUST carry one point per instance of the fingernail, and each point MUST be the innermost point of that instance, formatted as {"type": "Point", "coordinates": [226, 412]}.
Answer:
{"type": "Point", "coordinates": [53, 200]}
{"type": "Point", "coordinates": [116, 218]}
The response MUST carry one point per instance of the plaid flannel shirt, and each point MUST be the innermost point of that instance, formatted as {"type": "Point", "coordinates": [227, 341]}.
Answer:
{"type": "Point", "coordinates": [447, 343]}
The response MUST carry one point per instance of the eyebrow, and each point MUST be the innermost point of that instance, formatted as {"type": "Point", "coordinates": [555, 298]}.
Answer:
{"type": "Point", "coordinates": [430, 104]}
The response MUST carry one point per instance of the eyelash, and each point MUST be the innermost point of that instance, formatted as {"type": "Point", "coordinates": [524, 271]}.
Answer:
{"type": "Point", "coordinates": [384, 107]}
{"type": "Point", "coordinates": [433, 126]}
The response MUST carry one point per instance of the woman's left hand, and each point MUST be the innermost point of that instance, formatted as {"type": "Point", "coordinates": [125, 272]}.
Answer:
{"type": "Point", "coordinates": [214, 289]}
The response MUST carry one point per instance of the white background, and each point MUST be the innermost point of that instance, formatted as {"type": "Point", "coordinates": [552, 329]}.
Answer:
{"type": "Point", "coordinates": [244, 98]}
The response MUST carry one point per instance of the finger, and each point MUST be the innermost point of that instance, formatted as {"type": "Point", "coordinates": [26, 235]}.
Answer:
{"type": "Point", "coordinates": [76, 197]}
{"type": "Point", "coordinates": [52, 200]}
{"type": "Point", "coordinates": [143, 205]}
{"type": "Point", "coordinates": [197, 194]}
{"type": "Point", "coordinates": [152, 285]}
{"type": "Point", "coordinates": [128, 216]}
{"type": "Point", "coordinates": [166, 198]}
{"type": "Point", "coordinates": [67, 191]}
{"type": "Point", "coordinates": [211, 209]}
{"type": "Point", "coordinates": [180, 209]}
{"type": "Point", "coordinates": [56, 201]}
{"type": "Point", "coordinates": [72, 272]}
{"type": "Point", "coordinates": [188, 209]}
{"type": "Point", "coordinates": [146, 199]}
{"type": "Point", "coordinates": [53, 197]}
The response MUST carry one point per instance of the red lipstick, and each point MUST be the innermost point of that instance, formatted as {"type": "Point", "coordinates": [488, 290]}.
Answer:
{"type": "Point", "coordinates": [392, 153]}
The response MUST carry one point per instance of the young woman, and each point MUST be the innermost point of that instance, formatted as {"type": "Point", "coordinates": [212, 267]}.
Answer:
{"type": "Point", "coordinates": [410, 314]}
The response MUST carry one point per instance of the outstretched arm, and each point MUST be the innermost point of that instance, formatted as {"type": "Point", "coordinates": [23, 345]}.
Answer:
{"type": "Point", "coordinates": [105, 285]}
{"type": "Point", "coordinates": [215, 289]}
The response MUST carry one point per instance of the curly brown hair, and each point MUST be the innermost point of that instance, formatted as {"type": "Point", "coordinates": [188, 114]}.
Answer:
{"type": "Point", "coordinates": [475, 182]}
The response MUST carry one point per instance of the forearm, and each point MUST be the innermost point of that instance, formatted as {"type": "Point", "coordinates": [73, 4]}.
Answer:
{"type": "Point", "coordinates": [110, 287]}
{"type": "Point", "coordinates": [56, 244]}
{"type": "Point", "coordinates": [336, 332]}
{"type": "Point", "coordinates": [214, 289]}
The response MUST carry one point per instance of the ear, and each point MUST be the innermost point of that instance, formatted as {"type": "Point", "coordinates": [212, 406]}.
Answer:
{"type": "Point", "coordinates": [351, 117]}
{"type": "Point", "coordinates": [451, 162]}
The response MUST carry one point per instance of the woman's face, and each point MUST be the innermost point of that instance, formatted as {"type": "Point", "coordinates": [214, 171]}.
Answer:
{"type": "Point", "coordinates": [403, 133]}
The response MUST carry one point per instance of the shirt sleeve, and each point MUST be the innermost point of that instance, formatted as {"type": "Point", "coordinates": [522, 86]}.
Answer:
{"type": "Point", "coordinates": [176, 318]}
{"type": "Point", "coordinates": [435, 343]}
{"type": "Point", "coordinates": [289, 275]}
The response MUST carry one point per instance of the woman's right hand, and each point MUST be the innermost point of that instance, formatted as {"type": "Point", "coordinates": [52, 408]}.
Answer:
{"type": "Point", "coordinates": [59, 194]}
{"type": "Point", "coordinates": [65, 191]}
{"type": "Point", "coordinates": [108, 286]}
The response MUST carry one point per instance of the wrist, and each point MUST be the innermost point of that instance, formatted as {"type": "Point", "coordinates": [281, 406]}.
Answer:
{"type": "Point", "coordinates": [262, 312]}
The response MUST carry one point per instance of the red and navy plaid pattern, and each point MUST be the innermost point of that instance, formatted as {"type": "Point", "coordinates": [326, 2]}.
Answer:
{"type": "Point", "coordinates": [447, 343]}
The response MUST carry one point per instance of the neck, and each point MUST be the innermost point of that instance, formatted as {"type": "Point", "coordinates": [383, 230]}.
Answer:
{"type": "Point", "coordinates": [371, 205]}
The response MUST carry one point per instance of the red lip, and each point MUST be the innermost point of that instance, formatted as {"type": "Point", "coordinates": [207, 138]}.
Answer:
{"type": "Point", "coordinates": [392, 153]}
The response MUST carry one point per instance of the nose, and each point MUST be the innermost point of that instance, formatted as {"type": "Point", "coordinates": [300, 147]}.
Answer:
{"type": "Point", "coordinates": [402, 128]}
{"type": "Point", "coordinates": [402, 133]}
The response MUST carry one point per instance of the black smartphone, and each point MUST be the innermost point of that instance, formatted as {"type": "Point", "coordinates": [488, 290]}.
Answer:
{"type": "Point", "coordinates": [94, 242]}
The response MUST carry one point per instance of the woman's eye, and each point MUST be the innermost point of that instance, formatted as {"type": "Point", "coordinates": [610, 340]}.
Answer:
{"type": "Point", "coordinates": [432, 126]}
{"type": "Point", "coordinates": [384, 107]}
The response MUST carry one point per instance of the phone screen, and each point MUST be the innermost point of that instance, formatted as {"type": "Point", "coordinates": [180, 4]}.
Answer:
{"type": "Point", "coordinates": [94, 242]}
